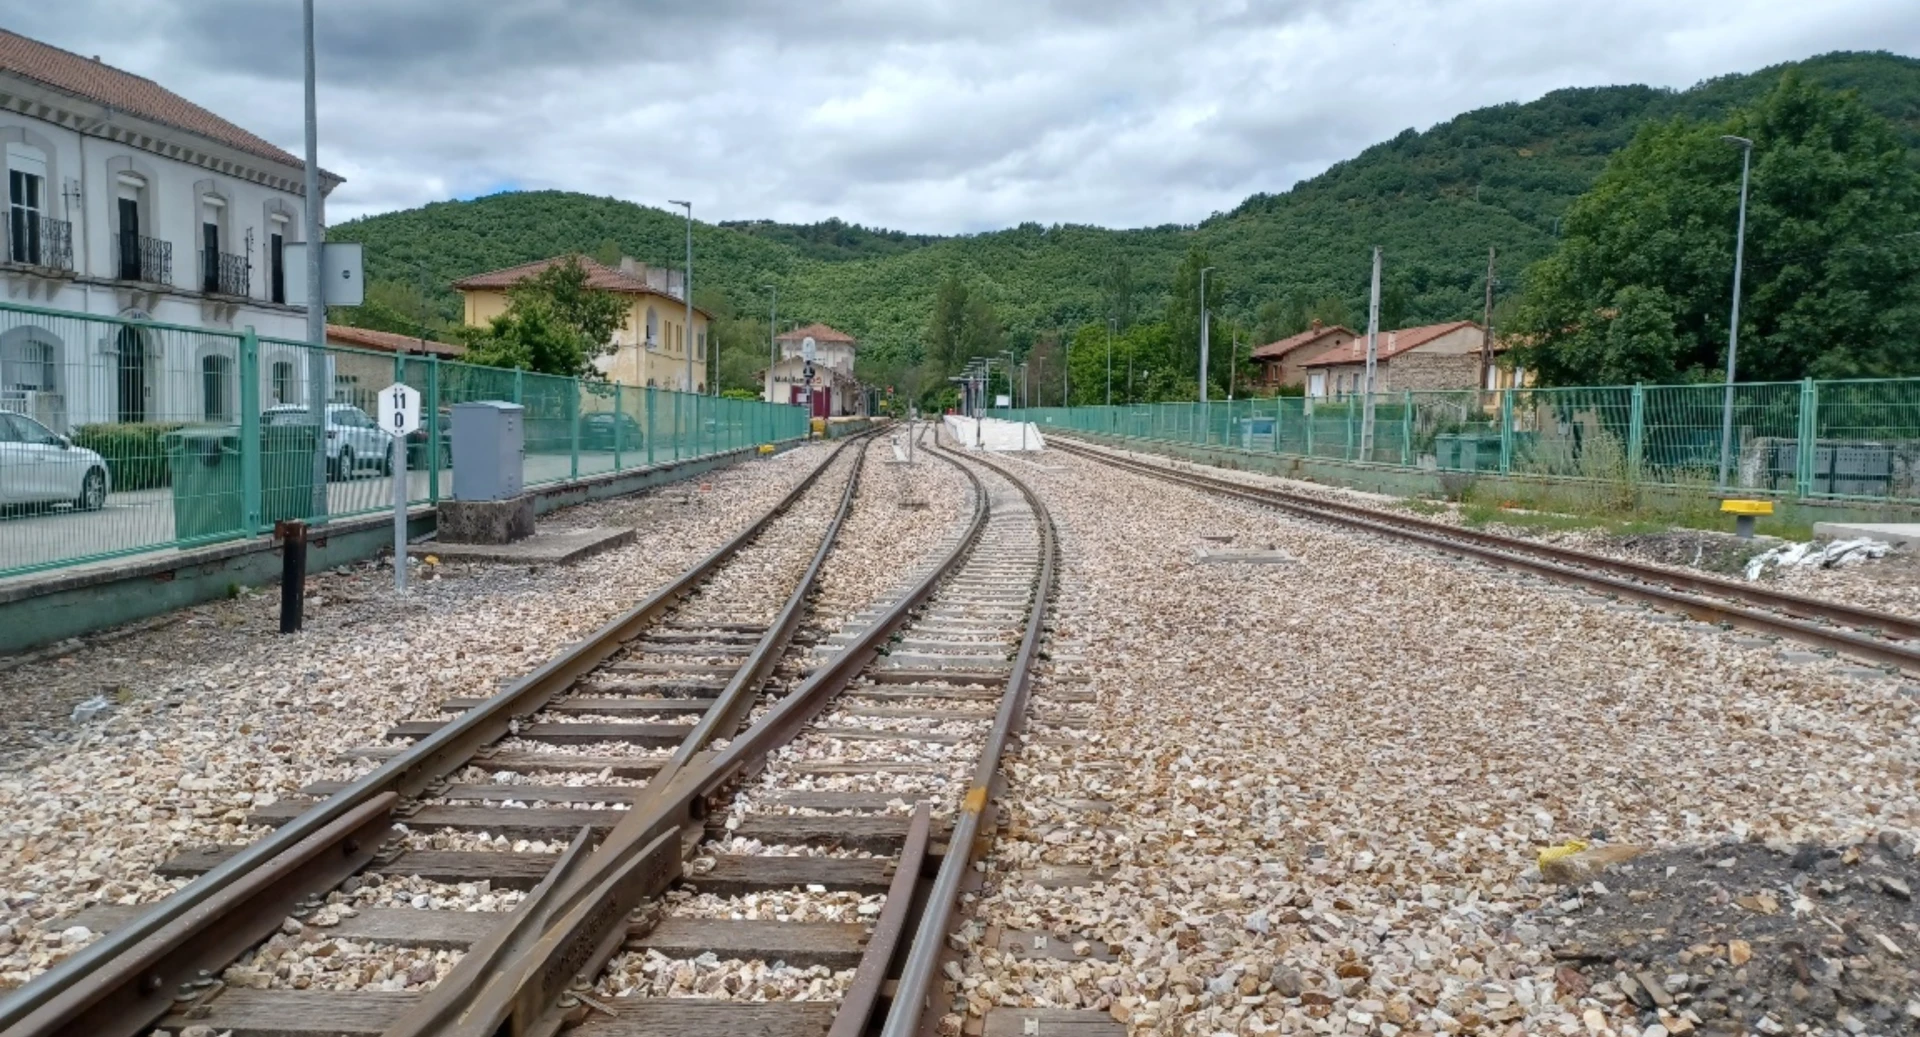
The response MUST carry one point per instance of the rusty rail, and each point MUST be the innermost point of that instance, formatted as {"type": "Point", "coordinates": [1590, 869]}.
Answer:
{"type": "Point", "coordinates": [1810, 620]}
{"type": "Point", "coordinates": [116, 971]}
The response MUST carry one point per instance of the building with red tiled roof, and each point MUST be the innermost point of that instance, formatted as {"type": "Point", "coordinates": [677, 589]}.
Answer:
{"type": "Point", "coordinates": [125, 199]}
{"type": "Point", "coordinates": [835, 389]}
{"type": "Point", "coordinates": [1432, 356]}
{"type": "Point", "coordinates": [1283, 362]}
{"type": "Point", "coordinates": [391, 342]}
{"type": "Point", "coordinates": [654, 347]}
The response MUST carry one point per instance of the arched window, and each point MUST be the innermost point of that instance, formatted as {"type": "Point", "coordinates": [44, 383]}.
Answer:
{"type": "Point", "coordinates": [216, 387]}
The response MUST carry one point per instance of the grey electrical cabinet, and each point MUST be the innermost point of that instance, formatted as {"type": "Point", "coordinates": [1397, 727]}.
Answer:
{"type": "Point", "coordinates": [489, 444]}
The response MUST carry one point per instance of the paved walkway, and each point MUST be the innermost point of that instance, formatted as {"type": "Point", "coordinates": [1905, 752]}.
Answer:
{"type": "Point", "coordinates": [144, 518]}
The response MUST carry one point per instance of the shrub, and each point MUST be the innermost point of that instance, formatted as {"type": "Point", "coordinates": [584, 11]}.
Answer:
{"type": "Point", "coordinates": [136, 453]}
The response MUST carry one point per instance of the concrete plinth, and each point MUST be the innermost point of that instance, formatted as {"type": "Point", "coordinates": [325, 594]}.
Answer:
{"type": "Point", "coordinates": [539, 549]}
{"type": "Point", "coordinates": [486, 522]}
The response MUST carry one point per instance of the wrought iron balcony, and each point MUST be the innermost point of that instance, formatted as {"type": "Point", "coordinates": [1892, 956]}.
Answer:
{"type": "Point", "coordinates": [140, 258]}
{"type": "Point", "coordinates": [223, 273]}
{"type": "Point", "coordinates": [37, 240]}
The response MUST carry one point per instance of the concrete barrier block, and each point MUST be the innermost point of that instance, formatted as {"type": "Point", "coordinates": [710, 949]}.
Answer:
{"type": "Point", "coordinates": [486, 522]}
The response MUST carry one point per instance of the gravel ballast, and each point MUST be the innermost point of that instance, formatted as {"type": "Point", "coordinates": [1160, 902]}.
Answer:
{"type": "Point", "coordinates": [214, 714]}
{"type": "Point", "coordinates": [1329, 780]}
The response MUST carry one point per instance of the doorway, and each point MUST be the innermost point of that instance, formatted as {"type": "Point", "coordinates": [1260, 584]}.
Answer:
{"type": "Point", "coordinates": [132, 376]}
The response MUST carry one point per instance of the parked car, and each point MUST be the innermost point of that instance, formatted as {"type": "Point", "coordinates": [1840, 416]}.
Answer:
{"type": "Point", "coordinates": [599, 429]}
{"type": "Point", "coordinates": [354, 441]}
{"type": "Point", "coordinates": [417, 443]}
{"type": "Point", "coordinates": [40, 466]}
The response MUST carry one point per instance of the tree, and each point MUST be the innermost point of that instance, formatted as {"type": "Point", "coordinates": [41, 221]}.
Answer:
{"type": "Point", "coordinates": [1183, 315]}
{"type": "Point", "coordinates": [396, 306]}
{"type": "Point", "coordinates": [1116, 288]}
{"type": "Point", "coordinates": [555, 324]}
{"type": "Point", "coordinates": [1640, 288]}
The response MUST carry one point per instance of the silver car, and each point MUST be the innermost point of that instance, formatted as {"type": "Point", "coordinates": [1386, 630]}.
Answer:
{"type": "Point", "coordinates": [354, 440]}
{"type": "Point", "coordinates": [40, 466]}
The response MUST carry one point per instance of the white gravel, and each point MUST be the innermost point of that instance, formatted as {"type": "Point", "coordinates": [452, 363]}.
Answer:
{"type": "Point", "coordinates": [1330, 779]}
{"type": "Point", "coordinates": [216, 713]}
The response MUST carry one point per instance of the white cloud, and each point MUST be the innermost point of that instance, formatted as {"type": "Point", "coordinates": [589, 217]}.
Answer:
{"type": "Point", "coordinates": [936, 115]}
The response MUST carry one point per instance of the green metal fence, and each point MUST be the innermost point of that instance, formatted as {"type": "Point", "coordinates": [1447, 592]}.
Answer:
{"type": "Point", "coordinates": [1806, 439]}
{"type": "Point", "coordinates": [121, 436]}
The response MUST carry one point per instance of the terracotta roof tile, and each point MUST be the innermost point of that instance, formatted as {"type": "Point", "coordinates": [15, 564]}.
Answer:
{"type": "Point", "coordinates": [599, 276]}
{"type": "Point", "coordinates": [819, 332]}
{"type": "Point", "coordinates": [389, 342]}
{"type": "Point", "coordinates": [1391, 343]}
{"type": "Point", "coordinates": [1276, 350]}
{"type": "Point", "coordinates": [103, 84]}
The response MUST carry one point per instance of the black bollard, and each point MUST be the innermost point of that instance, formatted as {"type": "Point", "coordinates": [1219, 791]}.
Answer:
{"type": "Point", "coordinates": [293, 573]}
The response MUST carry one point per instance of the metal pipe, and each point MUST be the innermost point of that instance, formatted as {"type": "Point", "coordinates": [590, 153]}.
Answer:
{"type": "Point", "coordinates": [293, 574]}
{"type": "Point", "coordinates": [1733, 326]}
{"type": "Point", "coordinates": [316, 288]}
{"type": "Point", "coordinates": [1203, 332]}
{"type": "Point", "coordinates": [773, 336]}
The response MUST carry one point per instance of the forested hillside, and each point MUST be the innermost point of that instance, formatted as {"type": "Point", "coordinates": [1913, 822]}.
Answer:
{"type": "Point", "coordinates": [1436, 200]}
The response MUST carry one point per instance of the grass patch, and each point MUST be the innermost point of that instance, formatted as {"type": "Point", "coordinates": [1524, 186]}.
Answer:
{"type": "Point", "coordinates": [1561, 508]}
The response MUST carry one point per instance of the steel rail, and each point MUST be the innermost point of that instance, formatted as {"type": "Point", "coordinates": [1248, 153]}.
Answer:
{"type": "Point", "coordinates": [641, 856]}
{"type": "Point", "coordinates": [974, 825]}
{"type": "Point", "coordinates": [107, 969]}
{"type": "Point", "coordinates": [1591, 570]}
{"type": "Point", "coordinates": [1792, 604]}
{"type": "Point", "coordinates": [479, 994]}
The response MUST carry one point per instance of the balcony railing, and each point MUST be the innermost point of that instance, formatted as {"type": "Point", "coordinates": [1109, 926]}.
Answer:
{"type": "Point", "coordinates": [223, 273]}
{"type": "Point", "coordinates": [140, 258]}
{"type": "Point", "coordinates": [37, 240]}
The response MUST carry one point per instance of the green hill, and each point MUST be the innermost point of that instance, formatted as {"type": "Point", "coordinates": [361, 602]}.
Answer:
{"type": "Point", "coordinates": [1435, 200]}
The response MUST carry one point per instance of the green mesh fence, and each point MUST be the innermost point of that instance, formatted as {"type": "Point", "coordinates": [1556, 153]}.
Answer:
{"type": "Point", "coordinates": [1839, 439]}
{"type": "Point", "coordinates": [121, 436]}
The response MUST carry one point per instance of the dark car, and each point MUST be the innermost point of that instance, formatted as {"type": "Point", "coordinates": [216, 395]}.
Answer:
{"type": "Point", "coordinates": [598, 431]}
{"type": "Point", "coordinates": [417, 443]}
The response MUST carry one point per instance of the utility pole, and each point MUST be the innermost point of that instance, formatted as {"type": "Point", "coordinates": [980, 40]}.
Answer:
{"type": "Point", "coordinates": [687, 339]}
{"type": "Point", "coordinates": [1203, 333]}
{"type": "Point", "coordinates": [1733, 327]}
{"type": "Point", "coordinates": [1233, 361]}
{"type": "Point", "coordinates": [773, 336]}
{"type": "Point", "coordinates": [1111, 321]}
{"type": "Point", "coordinates": [1066, 355]}
{"type": "Point", "coordinates": [1373, 360]}
{"type": "Point", "coordinates": [1486, 328]}
{"type": "Point", "coordinates": [316, 291]}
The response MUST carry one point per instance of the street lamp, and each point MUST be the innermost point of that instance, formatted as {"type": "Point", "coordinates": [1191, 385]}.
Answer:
{"type": "Point", "coordinates": [1111, 321]}
{"type": "Point", "coordinates": [773, 336]}
{"type": "Point", "coordinates": [1008, 353]}
{"type": "Point", "coordinates": [1203, 332]}
{"type": "Point", "coordinates": [687, 342]}
{"type": "Point", "coordinates": [1733, 328]}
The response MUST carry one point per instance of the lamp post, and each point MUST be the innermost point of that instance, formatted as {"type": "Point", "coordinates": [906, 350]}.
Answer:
{"type": "Point", "coordinates": [316, 294]}
{"type": "Point", "coordinates": [687, 342]}
{"type": "Point", "coordinates": [1008, 353]}
{"type": "Point", "coordinates": [1733, 327]}
{"type": "Point", "coordinates": [1203, 332]}
{"type": "Point", "coordinates": [773, 336]}
{"type": "Point", "coordinates": [1110, 323]}
{"type": "Point", "coordinates": [1066, 365]}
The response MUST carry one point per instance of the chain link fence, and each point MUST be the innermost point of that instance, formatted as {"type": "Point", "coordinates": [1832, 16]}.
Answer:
{"type": "Point", "coordinates": [122, 436]}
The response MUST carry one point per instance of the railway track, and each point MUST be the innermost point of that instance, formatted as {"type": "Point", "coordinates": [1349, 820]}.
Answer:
{"type": "Point", "coordinates": [1881, 638]}
{"type": "Point", "coordinates": [683, 764]}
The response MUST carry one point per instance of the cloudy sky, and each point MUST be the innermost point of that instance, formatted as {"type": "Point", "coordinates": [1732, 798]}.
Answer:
{"type": "Point", "coordinates": [924, 115]}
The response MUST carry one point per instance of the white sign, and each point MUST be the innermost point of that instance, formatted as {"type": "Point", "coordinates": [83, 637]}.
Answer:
{"type": "Point", "coordinates": [340, 273]}
{"type": "Point", "coordinates": [399, 409]}
{"type": "Point", "coordinates": [1002, 400]}
{"type": "Point", "coordinates": [806, 349]}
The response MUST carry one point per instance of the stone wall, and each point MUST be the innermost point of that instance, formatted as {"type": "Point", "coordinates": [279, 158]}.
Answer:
{"type": "Point", "coordinates": [1416, 371]}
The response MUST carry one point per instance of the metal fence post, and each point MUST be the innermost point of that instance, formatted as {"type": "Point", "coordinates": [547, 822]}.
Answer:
{"type": "Point", "coordinates": [650, 401]}
{"type": "Point", "coordinates": [1506, 432]}
{"type": "Point", "coordinates": [1349, 448]}
{"type": "Point", "coordinates": [519, 393]}
{"type": "Point", "coordinates": [1809, 439]}
{"type": "Point", "coordinates": [250, 430]}
{"type": "Point", "coordinates": [1406, 431]}
{"type": "Point", "coordinates": [573, 427]}
{"type": "Point", "coordinates": [619, 429]}
{"type": "Point", "coordinates": [433, 430]}
{"type": "Point", "coordinates": [1636, 429]}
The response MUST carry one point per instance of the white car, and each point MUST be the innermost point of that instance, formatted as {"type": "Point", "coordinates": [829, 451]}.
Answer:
{"type": "Point", "coordinates": [354, 441]}
{"type": "Point", "coordinates": [39, 466]}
